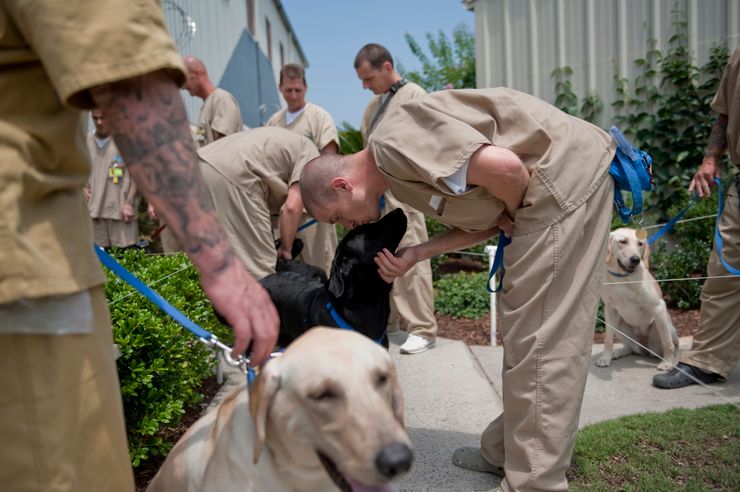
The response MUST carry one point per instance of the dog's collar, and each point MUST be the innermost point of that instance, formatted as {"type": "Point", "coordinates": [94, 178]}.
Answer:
{"type": "Point", "coordinates": [342, 323]}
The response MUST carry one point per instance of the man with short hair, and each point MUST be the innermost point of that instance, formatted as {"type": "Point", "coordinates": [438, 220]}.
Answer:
{"type": "Point", "coordinates": [220, 114]}
{"type": "Point", "coordinates": [480, 161]}
{"type": "Point", "coordinates": [61, 417]}
{"type": "Point", "coordinates": [253, 177]}
{"type": "Point", "coordinates": [316, 124]}
{"type": "Point", "coordinates": [110, 191]}
{"type": "Point", "coordinates": [412, 297]}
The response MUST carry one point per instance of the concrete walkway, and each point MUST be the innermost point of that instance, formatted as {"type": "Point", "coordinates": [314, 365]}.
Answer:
{"type": "Point", "coordinates": [453, 391]}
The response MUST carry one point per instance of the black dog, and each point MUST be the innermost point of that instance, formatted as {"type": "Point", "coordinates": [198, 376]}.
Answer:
{"type": "Point", "coordinates": [355, 291]}
{"type": "Point", "coordinates": [298, 266]}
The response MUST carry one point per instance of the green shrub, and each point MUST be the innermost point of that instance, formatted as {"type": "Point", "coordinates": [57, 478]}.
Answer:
{"type": "Point", "coordinates": [689, 256]}
{"type": "Point", "coordinates": [162, 365]}
{"type": "Point", "coordinates": [462, 295]}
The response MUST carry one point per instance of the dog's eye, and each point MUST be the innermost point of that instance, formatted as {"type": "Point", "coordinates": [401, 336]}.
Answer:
{"type": "Point", "coordinates": [640, 243]}
{"type": "Point", "coordinates": [622, 241]}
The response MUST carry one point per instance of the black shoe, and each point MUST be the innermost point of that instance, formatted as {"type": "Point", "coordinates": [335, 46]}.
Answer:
{"type": "Point", "coordinates": [679, 378]}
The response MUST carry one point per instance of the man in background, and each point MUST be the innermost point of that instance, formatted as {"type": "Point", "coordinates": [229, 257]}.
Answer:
{"type": "Point", "coordinates": [412, 297]}
{"type": "Point", "coordinates": [61, 417]}
{"type": "Point", "coordinates": [110, 191]}
{"type": "Point", "coordinates": [316, 124]}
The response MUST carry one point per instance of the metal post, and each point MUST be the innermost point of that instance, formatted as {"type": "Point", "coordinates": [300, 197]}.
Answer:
{"type": "Point", "coordinates": [491, 252]}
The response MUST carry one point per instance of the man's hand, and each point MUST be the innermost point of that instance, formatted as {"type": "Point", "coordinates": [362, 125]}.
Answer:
{"type": "Point", "coordinates": [392, 266]}
{"type": "Point", "coordinates": [87, 192]}
{"type": "Point", "coordinates": [239, 298]}
{"type": "Point", "coordinates": [127, 212]}
{"type": "Point", "coordinates": [703, 180]}
{"type": "Point", "coordinates": [151, 212]}
{"type": "Point", "coordinates": [283, 253]}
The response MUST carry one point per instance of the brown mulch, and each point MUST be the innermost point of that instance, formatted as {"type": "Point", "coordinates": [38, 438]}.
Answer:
{"type": "Point", "coordinates": [478, 331]}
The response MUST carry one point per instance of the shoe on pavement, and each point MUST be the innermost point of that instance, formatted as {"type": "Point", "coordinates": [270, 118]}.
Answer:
{"type": "Point", "coordinates": [415, 344]}
{"type": "Point", "coordinates": [471, 459]}
{"type": "Point", "coordinates": [678, 378]}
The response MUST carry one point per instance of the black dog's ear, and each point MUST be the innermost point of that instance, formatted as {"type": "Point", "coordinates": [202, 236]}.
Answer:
{"type": "Point", "coordinates": [336, 280]}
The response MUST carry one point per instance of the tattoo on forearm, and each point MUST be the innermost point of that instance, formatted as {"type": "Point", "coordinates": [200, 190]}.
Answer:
{"type": "Point", "coordinates": [151, 130]}
{"type": "Point", "coordinates": [717, 142]}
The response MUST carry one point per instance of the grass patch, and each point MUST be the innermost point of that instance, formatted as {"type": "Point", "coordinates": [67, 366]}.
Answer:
{"type": "Point", "coordinates": [681, 449]}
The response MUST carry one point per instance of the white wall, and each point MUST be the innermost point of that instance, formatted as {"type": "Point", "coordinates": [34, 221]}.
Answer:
{"type": "Point", "coordinates": [520, 42]}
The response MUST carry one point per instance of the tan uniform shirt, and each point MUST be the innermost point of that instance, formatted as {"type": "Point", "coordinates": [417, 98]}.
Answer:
{"type": "Point", "coordinates": [264, 160]}
{"type": "Point", "coordinates": [727, 101]}
{"type": "Point", "coordinates": [51, 53]}
{"type": "Point", "coordinates": [220, 113]}
{"type": "Point", "coordinates": [314, 123]}
{"type": "Point", "coordinates": [109, 182]}
{"type": "Point", "coordinates": [406, 93]}
{"type": "Point", "coordinates": [567, 157]}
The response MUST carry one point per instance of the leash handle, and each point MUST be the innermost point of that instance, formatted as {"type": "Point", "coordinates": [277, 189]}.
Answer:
{"type": "Point", "coordinates": [498, 263]}
{"type": "Point", "coordinates": [718, 241]}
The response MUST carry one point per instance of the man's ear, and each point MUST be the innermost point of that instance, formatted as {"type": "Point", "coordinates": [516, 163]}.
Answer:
{"type": "Point", "coordinates": [387, 67]}
{"type": "Point", "coordinates": [340, 183]}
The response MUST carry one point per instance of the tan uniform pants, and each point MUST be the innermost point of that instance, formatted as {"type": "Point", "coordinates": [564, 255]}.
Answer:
{"type": "Point", "coordinates": [319, 243]}
{"type": "Point", "coordinates": [716, 344]}
{"type": "Point", "coordinates": [61, 418]}
{"type": "Point", "coordinates": [110, 232]}
{"type": "Point", "coordinates": [245, 217]}
{"type": "Point", "coordinates": [547, 313]}
{"type": "Point", "coordinates": [170, 243]}
{"type": "Point", "coordinates": [412, 296]}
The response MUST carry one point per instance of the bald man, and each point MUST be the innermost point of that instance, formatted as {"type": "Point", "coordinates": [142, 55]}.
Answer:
{"type": "Point", "coordinates": [220, 115]}
{"type": "Point", "coordinates": [478, 161]}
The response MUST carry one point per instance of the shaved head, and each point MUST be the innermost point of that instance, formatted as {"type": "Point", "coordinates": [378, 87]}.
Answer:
{"type": "Point", "coordinates": [198, 84]}
{"type": "Point", "coordinates": [194, 64]}
{"type": "Point", "coordinates": [316, 177]}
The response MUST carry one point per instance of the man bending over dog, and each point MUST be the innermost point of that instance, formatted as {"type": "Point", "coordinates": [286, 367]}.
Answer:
{"type": "Point", "coordinates": [499, 158]}
{"type": "Point", "coordinates": [253, 176]}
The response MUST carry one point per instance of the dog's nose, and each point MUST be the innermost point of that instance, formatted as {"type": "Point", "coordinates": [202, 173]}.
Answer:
{"type": "Point", "coordinates": [394, 459]}
{"type": "Point", "coordinates": [634, 260]}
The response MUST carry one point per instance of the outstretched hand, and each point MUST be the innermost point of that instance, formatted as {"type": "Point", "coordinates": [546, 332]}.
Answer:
{"type": "Point", "coordinates": [703, 180]}
{"type": "Point", "coordinates": [392, 266]}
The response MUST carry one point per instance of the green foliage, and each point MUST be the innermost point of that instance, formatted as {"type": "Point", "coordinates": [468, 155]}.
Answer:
{"type": "Point", "coordinates": [452, 64]}
{"type": "Point", "coordinates": [567, 100]}
{"type": "Point", "coordinates": [680, 449]}
{"type": "Point", "coordinates": [162, 365]}
{"type": "Point", "coordinates": [693, 243]}
{"type": "Point", "coordinates": [462, 295]}
{"type": "Point", "coordinates": [666, 110]}
{"type": "Point", "coordinates": [350, 139]}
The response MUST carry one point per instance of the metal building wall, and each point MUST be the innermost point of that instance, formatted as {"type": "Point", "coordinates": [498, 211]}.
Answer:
{"type": "Point", "coordinates": [235, 59]}
{"type": "Point", "coordinates": [520, 42]}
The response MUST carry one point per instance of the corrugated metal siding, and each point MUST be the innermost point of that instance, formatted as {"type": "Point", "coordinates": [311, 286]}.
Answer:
{"type": "Point", "coordinates": [520, 42]}
{"type": "Point", "coordinates": [220, 26]}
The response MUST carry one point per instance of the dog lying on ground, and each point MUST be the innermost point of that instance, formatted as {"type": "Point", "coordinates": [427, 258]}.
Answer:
{"type": "Point", "coordinates": [326, 415]}
{"type": "Point", "coordinates": [635, 308]}
{"type": "Point", "coordinates": [355, 290]}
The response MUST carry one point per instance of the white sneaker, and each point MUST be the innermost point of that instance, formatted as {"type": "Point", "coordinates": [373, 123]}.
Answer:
{"type": "Point", "coordinates": [415, 344]}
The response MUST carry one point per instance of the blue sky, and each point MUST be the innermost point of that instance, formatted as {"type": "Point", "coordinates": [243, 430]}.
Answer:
{"type": "Point", "coordinates": [332, 31]}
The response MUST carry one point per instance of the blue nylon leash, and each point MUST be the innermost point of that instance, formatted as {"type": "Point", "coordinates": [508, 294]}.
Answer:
{"type": "Point", "coordinates": [718, 241]}
{"type": "Point", "coordinates": [307, 224]}
{"type": "Point", "coordinates": [342, 323]}
{"type": "Point", "coordinates": [498, 263]}
{"type": "Point", "coordinates": [669, 225]}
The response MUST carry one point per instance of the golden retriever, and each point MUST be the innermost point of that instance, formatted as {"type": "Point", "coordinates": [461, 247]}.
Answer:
{"type": "Point", "coordinates": [327, 415]}
{"type": "Point", "coordinates": [636, 308]}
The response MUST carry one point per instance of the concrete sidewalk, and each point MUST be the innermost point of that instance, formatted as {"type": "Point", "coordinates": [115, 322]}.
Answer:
{"type": "Point", "coordinates": [453, 391]}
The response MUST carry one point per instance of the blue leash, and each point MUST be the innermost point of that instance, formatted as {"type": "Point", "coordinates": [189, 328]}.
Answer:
{"type": "Point", "coordinates": [718, 241]}
{"type": "Point", "coordinates": [498, 263]}
{"type": "Point", "coordinates": [669, 225]}
{"type": "Point", "coordinates": [205, 336]}
{"type": "Point", "coordinates": [342, 323]}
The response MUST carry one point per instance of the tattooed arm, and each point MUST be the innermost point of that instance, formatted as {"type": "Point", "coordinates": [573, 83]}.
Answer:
{"type": "Point", "coordinates": [716, 146]}
{"type": "Point", "coordinates": [149, 125]}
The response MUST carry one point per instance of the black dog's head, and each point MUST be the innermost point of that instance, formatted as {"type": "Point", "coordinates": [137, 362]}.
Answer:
{"type": "Point", "coordinates": [354, 266]}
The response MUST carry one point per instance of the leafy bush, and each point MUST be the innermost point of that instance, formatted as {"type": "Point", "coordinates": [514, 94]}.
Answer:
{"type": "Point", "coordinates": [162, 365]}
{"type": "Point", "coordinates": [462, 295]}
{"type": "Point", "coordinates": [689, 256]}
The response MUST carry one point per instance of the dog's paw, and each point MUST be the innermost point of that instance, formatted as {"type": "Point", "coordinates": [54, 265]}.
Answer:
{"type": "Point", "coordinates": [666, 365]}
{"type": "Point", "coordinates": [603, 362]}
